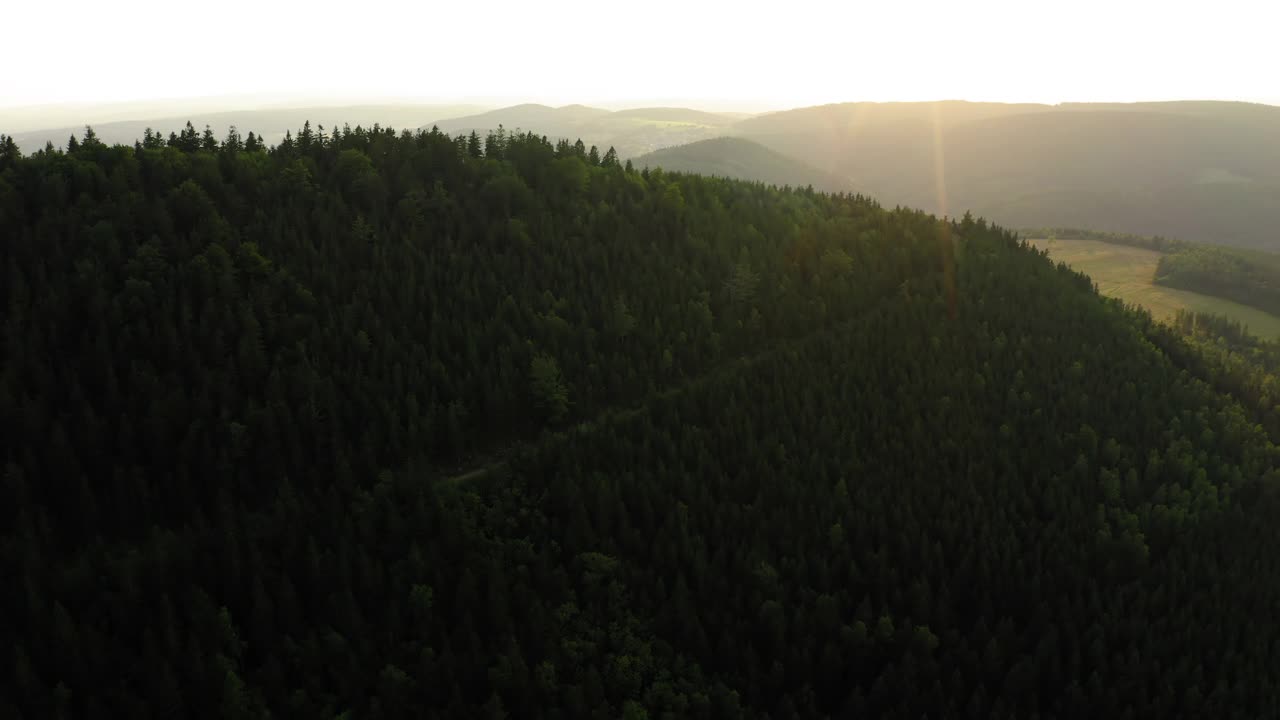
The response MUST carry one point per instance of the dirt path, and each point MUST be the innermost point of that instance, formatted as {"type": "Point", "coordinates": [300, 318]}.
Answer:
{"type": "Point", "coordinates": [490, 462]}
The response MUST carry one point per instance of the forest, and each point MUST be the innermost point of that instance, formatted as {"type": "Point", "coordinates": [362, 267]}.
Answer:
{"type": "Point", "coordinates": [375, 424]}
{"type": "Point", "coordinates": [1249, 277]}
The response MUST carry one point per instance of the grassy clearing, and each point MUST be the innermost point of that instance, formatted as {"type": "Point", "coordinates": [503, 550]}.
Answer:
{"type": "Point", "coordinates": [1128, 273]}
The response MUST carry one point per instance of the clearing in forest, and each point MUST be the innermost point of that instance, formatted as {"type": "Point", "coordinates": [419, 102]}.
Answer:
{"type": "Point", "coordinates": [1128, 273]}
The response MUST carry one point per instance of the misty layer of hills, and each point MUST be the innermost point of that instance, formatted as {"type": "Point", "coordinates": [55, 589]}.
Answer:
{"type": "Point", "coordinates": [1205, 171]}
{"type": "Point", "coordinates": [741, 158]}
{"type": "Point", "coordinates": [630, 132]}
{"type": "Point", "coordinates": [1202, 171]}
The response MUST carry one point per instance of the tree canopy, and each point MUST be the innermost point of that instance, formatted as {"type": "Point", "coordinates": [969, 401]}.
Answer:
{"type": "Point", "coordinates": [397, 424]}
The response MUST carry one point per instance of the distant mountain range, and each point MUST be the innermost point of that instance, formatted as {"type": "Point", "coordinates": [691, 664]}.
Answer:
{"type": "Point", "coordinates": [1201, 171]}
{"type": "Point", "coordinates": [1206, 171]}
{"type": "Point", "coordinates": [630, 132]}
{"type": "Point", "coordinates": [740, 158]}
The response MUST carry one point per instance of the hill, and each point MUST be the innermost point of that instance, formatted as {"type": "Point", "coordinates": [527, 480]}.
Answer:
{"type": "Point", "coordinates": [743, 159]}
{"type": "Point", "coordinates": [676, 115]}
{"type": "Point", "coordinates": [397, 425]}
{"type": "Point", "coordinates": [271, 123]}
{"type": "Point", "coordinates": [1203, 171]}
{"type": "Point", "coordinates": [630, 132]}
{"type": "Point", "coordinates": [529, 116]}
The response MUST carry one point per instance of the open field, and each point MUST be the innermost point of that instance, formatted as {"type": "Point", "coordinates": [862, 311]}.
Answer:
{"type": "Point", "coordinates": [1128, 273]}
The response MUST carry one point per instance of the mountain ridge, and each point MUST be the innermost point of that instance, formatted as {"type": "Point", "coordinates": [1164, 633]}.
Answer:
{"type": "Point", "coordinates": [743, 159]}
{"type": "Point", "coordinates": [1134, 167]}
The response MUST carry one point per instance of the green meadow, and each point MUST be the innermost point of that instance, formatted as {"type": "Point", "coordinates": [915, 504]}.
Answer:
{"type": "Point", "coordinates": [1129, 273]}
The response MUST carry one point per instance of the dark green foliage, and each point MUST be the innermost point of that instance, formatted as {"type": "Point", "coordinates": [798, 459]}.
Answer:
{"type": "Point", "coordinates": [386, 424]}
{"type": "Point", "coordinates": [269, 123]}
{"type": "Point", "coordinates": [549, 391]}
{"type": "Point", "coordinates": [1237, 363]}
{"type": "Point", "coordinates": [1249, 277]}
{"type": "Point", "coordinates": [1014, 539]}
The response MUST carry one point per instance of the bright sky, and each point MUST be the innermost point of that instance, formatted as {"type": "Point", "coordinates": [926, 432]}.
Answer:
{"type": "Point", "coordinates": [780, 54]}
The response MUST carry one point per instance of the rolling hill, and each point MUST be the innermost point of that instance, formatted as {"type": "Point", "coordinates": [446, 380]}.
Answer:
{"type": "Point", "coordinates": [529, 116]}
{"type": "Point", "coordinates": [1202, 171]}
{"type": "Point", "coordinates": [631, 132]}
{"type": "Point", "coordinates": [742, 159]}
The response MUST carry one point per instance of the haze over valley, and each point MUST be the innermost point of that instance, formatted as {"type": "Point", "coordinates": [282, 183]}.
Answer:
{"type": "Point", "coordinates": [1197, 170]}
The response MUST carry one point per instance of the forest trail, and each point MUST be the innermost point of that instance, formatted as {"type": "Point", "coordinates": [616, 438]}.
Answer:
{"type": "Point", "coordinates": [496, 460]}
{"type": "Point", "coordinates": [492, 461]}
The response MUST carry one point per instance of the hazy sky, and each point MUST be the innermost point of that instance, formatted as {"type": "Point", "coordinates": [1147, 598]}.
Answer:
{"type": "Point", "coordinates": [797, 52]}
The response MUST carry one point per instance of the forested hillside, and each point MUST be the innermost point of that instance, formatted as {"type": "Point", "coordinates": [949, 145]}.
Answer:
{"type": "Point", "coordinates": [744, 160]}
{"type": "Point", "coordinates": [378, 424]}
{"type": "Point", "coordinates": [1202, 171]}
{"type": "Point", "coordinates": [1236, 362]}
{"type": "Point", "coordinates": [1245, 276]}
